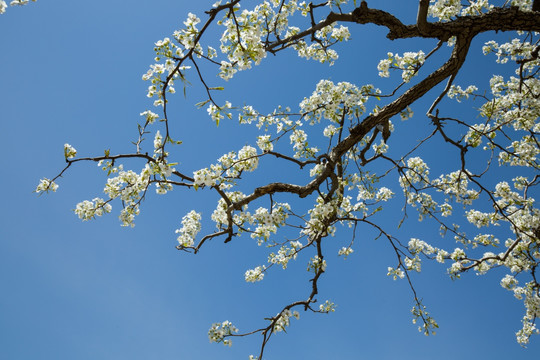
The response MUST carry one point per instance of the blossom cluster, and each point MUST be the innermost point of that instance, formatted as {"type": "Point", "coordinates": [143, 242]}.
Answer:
{"type": "Point", "coordinates": [448, 9]}
{"type": "Point", "coordinates": [45, 185]}
{"type": "Point", "coordinates": [229, 167]}
{"type": "Point", "coordinates": [191, 225]}
{"type": "Point", "coordinates": [284, 255]}
{"type": "Point", "coordinates": [409, 63]}
{"type": "Point", "coordinates": [429, 324]}
{"type": "Point", "coordinates": [282, 320]}
{"type": "Point", "coordinates": [87, 210]}
{"type": "Point", "coordinates": [69, 151]}
{"type": "Point", "coordinates": [219, 331]}
{"type": "Point", "coordinates": [329, 100]}
{"type": "Point", "coordinates": [327, 307]}
{"type": "Point", "coordinates": [3, 4]}
{"type": "Point", "coordinates": [254, 275]}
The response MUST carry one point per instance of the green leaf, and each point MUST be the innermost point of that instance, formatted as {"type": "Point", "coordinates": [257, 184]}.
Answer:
{"type": "Point", "coordinates": [202, 103]}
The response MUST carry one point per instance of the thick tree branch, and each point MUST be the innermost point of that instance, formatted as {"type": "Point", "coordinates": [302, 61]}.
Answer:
{"type": "Point", "coordinates": [421, 19]}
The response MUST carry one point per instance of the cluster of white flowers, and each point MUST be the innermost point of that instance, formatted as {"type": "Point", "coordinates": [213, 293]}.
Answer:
{"type": "Point", "coordinates": [268, 222]}
{"type": "Point", "coordinates": [158, 143]}
{"type": "Point", "coordinates": [187, 36]}
{"type": "Point", "coordinates": [524, 5]}
{"type": "Point", "coordinates": [395, 273]}
{"type": "Point", "coordinates": [219, 331]}
{"type": "Point", "coordinates": [129, 186]}
{"type": "Point", "coordinates": [205, 177]}
{"type": "Point", "coordinates": [428, 323]}
{"type": "Point", "coordinates": [477, 132]}
{"type": "Point", "coordinates": [336, 3]}
{"type": "Point", "coordinates": [300, 144]}
{"type": "Point", "coordinates": [455, 186]}
{"type": "Point", "coordinates": [154, 75]}
{"type": "Point", "coordinates": [319, 50]}
{"type": "Point", "coordinates": [380, 148]}
{"type": "Point", "coordinates": [513, 50]}
{"type": "Point", "coordinates": [316, 264]}
{"type": "Point", "coordinates": [242, 52]}
{"type": "Point", "coordinates": [409, 63]}
{"type": "Point", "coordinates": [414, 263]}
{"type": "Point", "coordinates": [444, 9]}
{"type": "Point", "coordinates": [481, 219]}
{"type": "Point", "coordinates": [264, 143]}
{"type": "Point", "coordinates": [168, 50]}
{"type": "Point", "coordinates": [416, 246]}
{"type": "Point", "coordinates": [316, 225]}
{"type": "Point", "coordinates": [327, 307]}
{"type": "Point", "coordinates": [150, 116]}
{"type": "Point", "coordinates": [254, 275]}
{"type": "Point", "coordinates": [219, 216]}
{"type": "Point", "coordinates": [417, 173]}
{"type": "Point", "coordinates": [228, 168]}
{"type": "Point", "coordinates": [384, 194]}
{"type": "Point", "coordinates": [69, 151]}
{"type": "Point", "coordinates": [459, 94]}
{"type": "Point", "coordinates": [345, 251]}
{"type": "Point", "coordinates": [280, 118]}
{"type": "Point", "coordinates": [191, 225]}
{"type": "Point", "coordinates": [284, 319]}
{"type": "Point", "coordinates": [218, 113]}
{"type": "Point", "coordinates": [3, 4]}
{"type": "Point", "coordinates": [448, 9]}
{"type": "Point", "coordinates": [477, 7]}
{"type": "Point", "coordinates": [529, 294]}
{"type": "Point", "coordinates": [45, 185]}
{"type": "Point", "coordinates": [87, 210]}
{"type": "Point", "coordinates": [329, 100]}
{"type": "Point", "coordinates": [284, 255]}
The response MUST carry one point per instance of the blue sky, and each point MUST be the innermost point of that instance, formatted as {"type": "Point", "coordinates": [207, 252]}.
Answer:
{"type": "Point", "coordinates": [71, 72]}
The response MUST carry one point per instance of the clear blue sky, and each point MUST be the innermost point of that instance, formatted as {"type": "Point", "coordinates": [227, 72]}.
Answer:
{"type": "Point", "coordinates": [71, 72]}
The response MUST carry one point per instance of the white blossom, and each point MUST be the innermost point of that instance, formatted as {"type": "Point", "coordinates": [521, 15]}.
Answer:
{"type": "Point", "coordinates": [45, 185]}
{"type": "Point", "coordinates": [191, 225]}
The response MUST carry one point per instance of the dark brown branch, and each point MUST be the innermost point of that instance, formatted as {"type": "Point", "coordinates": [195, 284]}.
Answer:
{"type": "Point", "coordinates": [421, 18]}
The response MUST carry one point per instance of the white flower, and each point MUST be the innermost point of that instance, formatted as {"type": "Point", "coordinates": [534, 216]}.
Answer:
{"type": "Point", "coordinates": [191, 225]}
{"type": "Point", "coordinates": [384, 66]}
{"type": "Point", "coordinates": [255, 275]}
{"type": "Point", "coordinates": [19, 2]}
{"type": "Point", "coordinates": [327, 307]}
{"type": "Point", "coordinates": [69, 151]}
{"type": "Point", "coordinates": [87, 210]}
{"type": "Point", "coordinates": [283, 319]}
{"type": "Point", "coordinates": [218, 332]}
{"type": "Point", "coordinates": [395, 273]}
{"type": "Point", "coordinates": [150, 116]}
{"type": "Point", "coordinates": [345, 251]}
{"type": "Point", "coordinates": [46, 185]}
{"type": "Point", "coordinates": [264, 143]}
